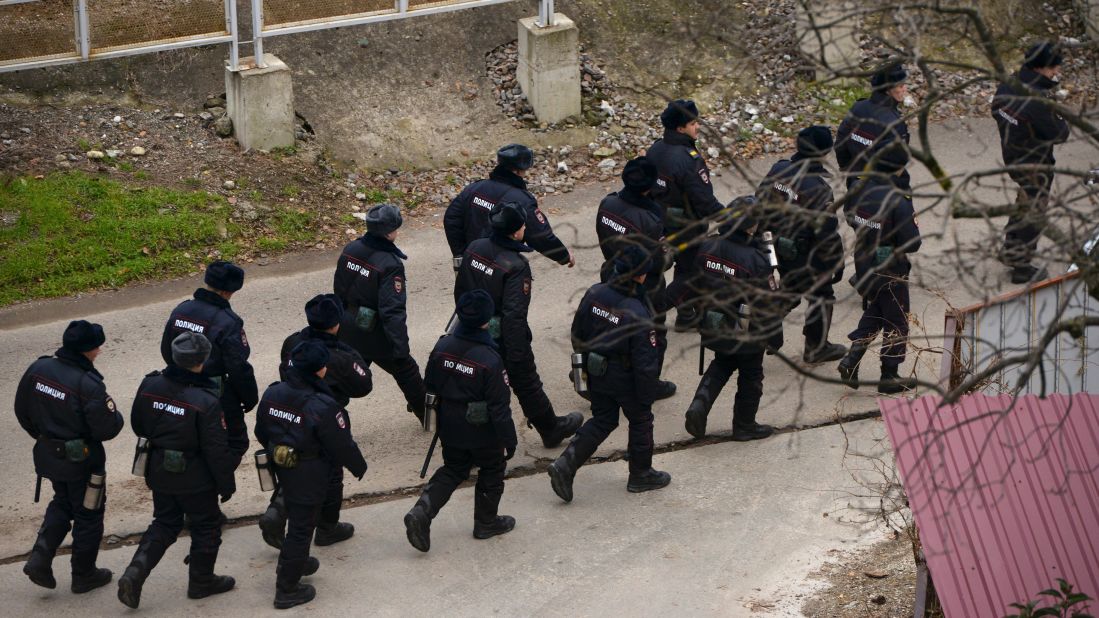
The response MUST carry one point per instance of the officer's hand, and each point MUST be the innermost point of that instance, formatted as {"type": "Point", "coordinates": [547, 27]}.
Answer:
{"type": "Point", "coordinates": [226, 497]}
{"type": "Point", "coordinates": [838, 275]}
{"type": "Point", "coordinates": [509, 452]}
{"type": "Point", "coordinates": [572, 260]}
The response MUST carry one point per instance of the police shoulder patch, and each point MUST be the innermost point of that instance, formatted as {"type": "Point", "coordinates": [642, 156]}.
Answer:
{"type": "Point", "coordinates": [652, 338]}
{"type": "Point", "coordinates": [704, 174]}
{"type": "Point", "coordinates": [695, 154]}
{"type": "Point", "coordinates": [223, 425]}
{"type": "Point", "coordinates": [526, 287]}
{"type": "Point", "coordinates": [504, 372]}
{"type": "Point", "coordinates": [398, 285]}
{"type": "Point", "coordinates": [359, 370]}
{"type": "Point", "coordinates": [538, 215]}
{"type": "Point", "coordinates": [340, 420]}
{"type": "Point", "coordinates": [110, 404]}
{"type": "Point", "coordinates": [243, 337]}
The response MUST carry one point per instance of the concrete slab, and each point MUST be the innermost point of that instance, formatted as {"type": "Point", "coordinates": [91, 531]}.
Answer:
{"type": "Point", "coordinates": [549, 67]}
{"type": "Point", "coordinates": [261, 103]}
{"type": "Point", "coordinates": [740, 524]}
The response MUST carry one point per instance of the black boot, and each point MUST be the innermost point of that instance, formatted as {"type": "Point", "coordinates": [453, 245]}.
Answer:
{"type": "Point", "coordinates": [96, 578]}
{"type": "Point", "coordinates": [563, 427]}
{"type": "Point", "coordinates": [202, 582]}
{"type": "Point", "coordinates": [330, 534]}
{"type": "Point", "coordinates": [417, 525]}
{"type": "Point", "coordinates": [665, 389]}
{"type": "Point", "coordinates": [563, 470]}
{"type": "Point", "coordinates": [686, 319]}
{"type": "Point", "coordinates": [699, 409]}
{"type": "Point", "coordinates": [145, 559]}
{"type": "Point", "coordinates": [312, 565]}
{"type": "Point", "coordinates": [647, 481]}
{"type": "Point", "coordinates": [486, 523]}
{"type": "Point", "coordinates": [849, 364]}
{"type": "Point", "coordinates": [825, 353]}
{"type": "Point", "coordinates": [751, 431]}
{"type": "Point", "coordinates": [39, 566]}
{"type": "Point", "coordinates": [891, 383]}
{"type": "Point", "coordinates": [289, 591]}
{"type": "Point", "coordinates": [272, 523]}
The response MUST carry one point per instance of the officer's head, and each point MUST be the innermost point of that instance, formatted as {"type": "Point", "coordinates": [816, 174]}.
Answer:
{"type": "Point", "coordinates": [475, 308]}
{"type": "Point", "coordinates": [892, 159]}
{"type": "Point", "coordinates": [741, 215]}
{"type": "Point", "coordinates": [891, 79]}
{"type": "Point", "coordinates": [639, 175]}
{"type": "Point", "coordinates": [190, 351]}
{"type": "Point", "coordinates": [224, 277]}
{"type": "Point", "coordinates": [508, 219]}
{"type": "Point", "coordinates": [309, 357]}
{"type": "Point", "coordinates": [814, 142]}
{"type": "Point", "coordinates": [681, 115]}
{"type": "Point", "coordinates": [515, 157]}
{"type": "Point", "coordinates": [384, 220]}
{"type": "Point", "coordinates": [633, 262]}
{"type": "Point", "coordinates": [1044, 58]}
{"type": "Point", "coordinates": [83, 337]}
{"type": "Point", "coordinates": [323, 312]}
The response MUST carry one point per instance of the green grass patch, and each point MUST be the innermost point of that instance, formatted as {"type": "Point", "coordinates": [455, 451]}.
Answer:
{"type": "Point", "coordinates": [270, 244]}
{"type": "Point", "coordinates": [294, 225]}
{"type": "Point", "coordinates": [77, 232]}
{"type": "Point", "coordinates": [834, 101]}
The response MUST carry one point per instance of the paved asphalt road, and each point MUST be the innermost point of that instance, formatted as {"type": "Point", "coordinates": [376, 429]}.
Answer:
{"type": "Point", "coordinates": [272, 300]}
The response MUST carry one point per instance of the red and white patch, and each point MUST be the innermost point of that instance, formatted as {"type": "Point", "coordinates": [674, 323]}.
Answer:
{"type": "Point", "coordinates": [110, 404]}
{"type": "Point", "coordinates": [359, 370]}
{"type": "Point", "coordinates": [506, 381]}
{"type": "Point", "coordinates": [652, 338]}
{"type": "Point", "coordinates": [704, 174]}
{"type": "Point", "coordinates": [538, 215]}
{"type": "Point", "coordinates": [398, 285]}
{"type": "Point", "coordinates": [526, 287]}
{"type": "Point", "coordinates": [340, 420]}
{"type": "Point", "coordinates": [771, 283]}
{"type": "Point", "coordinates": [223, 425]}
{"type": "Point", "coordinates": [243, 337]}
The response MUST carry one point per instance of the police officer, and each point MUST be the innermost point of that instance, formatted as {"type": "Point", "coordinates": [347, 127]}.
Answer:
{"type": "Point", "coordinates": [496, 265]}
{"type": "Point", "coordinates": [306, 432]}
{"type": "Point", "coordinates": [466, 219]}
{"type": "Point", "coordinates": [1029, 128]}
{"type": "Point", "coordinates": [631, 218]}
{"type": "Point", "coordinates": [209, 314]}
{"type": "Point", "coordinates": [62, 403]}
{"type": "Point", "coordinates": [882, 215]}
{"type": "Point", "coordinates": [614, 331]}
{"type": "Point", "coordinates": [798, 200]}
{"type": "Point", "coordinates": [370, 281]}
{"type": "Point", "coordinates": [684, 191]}
{"type": "Point", "coordinates": [872, 124]}
{"type": "Point", "coordinates": [189, 466]}
{"type": "Point", "coordinates": [467, 375]}
{"type": "Point", "coordinates": [349, 377]}
{"type": "Point", "coordinates": [742, 319]}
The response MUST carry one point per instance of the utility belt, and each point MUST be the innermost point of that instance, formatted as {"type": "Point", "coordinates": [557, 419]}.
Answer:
{"type": "Point", "coordinates": [364, 318]}
{"type": "Point", "coordinates": [790, 249]}
{"type": "Point", "coordinates": [598, 363]}
{"type": "Point", "coordinates": [73, 451]}
{"type": "Point", "coordinates": [476, 411]}
{"type": "Point", "coordinates": [716, 321]}
{"type": "Point", "coordinates": [286, 456]}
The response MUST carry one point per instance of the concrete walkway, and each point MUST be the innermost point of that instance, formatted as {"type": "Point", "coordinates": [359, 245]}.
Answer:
{"type": "Point", "coordinates": [740, 526]}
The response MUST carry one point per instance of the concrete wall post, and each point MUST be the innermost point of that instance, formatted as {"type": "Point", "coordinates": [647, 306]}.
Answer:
{"type": "Point", "coordinates": [260, 101]}
{"type": "Point", "coordinates": [826, 34]}
{"type": "Point", "coordinates": [549, 67]}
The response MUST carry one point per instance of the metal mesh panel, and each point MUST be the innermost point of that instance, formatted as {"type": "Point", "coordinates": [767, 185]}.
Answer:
{"type": "Point", "coordinates": [37, 30]}
{"type": "Point", "coordinates": [426, 4]}
{"type": "Point", "coordinates": [278, 12]}
{"type": "Point", "coordinates": [116, 23]}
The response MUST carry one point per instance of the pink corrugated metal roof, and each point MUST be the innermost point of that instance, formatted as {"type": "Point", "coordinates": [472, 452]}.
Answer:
{"type": "Point", "coordinates": [1006, 497]}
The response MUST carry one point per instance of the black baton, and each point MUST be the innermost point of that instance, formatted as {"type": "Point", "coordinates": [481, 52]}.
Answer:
{"type": "Point", "coordinates": [701, 359]}
{"type": "Point", "coordinates": [430, 452]}
{"type": "Point", "coordinates": [38, 489]}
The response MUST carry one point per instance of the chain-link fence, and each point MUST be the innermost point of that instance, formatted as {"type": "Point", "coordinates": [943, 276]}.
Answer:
{"type": "Point", "coordinates": [280, 12]}
{"type": "Point", "coordinates": [42, 30]}
{"type": "Point", "coordinates": [118, 23]}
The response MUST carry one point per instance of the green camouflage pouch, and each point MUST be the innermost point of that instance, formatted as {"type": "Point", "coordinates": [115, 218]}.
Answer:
{"type": "Point", "coordinates": [366, 318]}
{"type": "Point", "coordinates": [219, 388]}
{"type": "Point", "coordinates": [713, 321]}
{"type": "Point", "coordinates": [174, 461]}
{"type": "Point", "coordinates": [76, 451]}
{"type": "Point", "coordinates": [494, 329]}
{"type": "Point", "coordinates": [676, 218]}
{"type": "Point", "coordinates": [285, 456]}
{"type": "Point", "coordinates": [786, 249]}
{"type": "Point", "coordinates": [597, 364]}
{"type": "Point", "coordinates": [477, 412]}
{"type": "Point", "coordinates": [882, 255]}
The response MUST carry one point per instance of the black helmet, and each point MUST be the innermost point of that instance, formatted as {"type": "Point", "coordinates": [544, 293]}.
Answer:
{"type": "Point", "coordinates": [507, 217]}
{"type": "Point", "coordinates": [515, 156]}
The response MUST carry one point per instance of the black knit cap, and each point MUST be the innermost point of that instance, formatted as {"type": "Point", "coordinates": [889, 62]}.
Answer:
{"type": "Point", "coordinates": [639, 174]}
{"type": "Point", "coordinates": [190, 349]}
{"type": "Point", "coordinates": [382, 219]}
{"type": "Point", "coordinates": [1043, 55]}
{"type": "Point", "coordinates": [815, 141]}
{"type": "Point", "coordinates": [891, 159]}
{"type": "Point", "coordinates": [224, 276]}
{"type": "Point", "coordinates": [678, 113]}
{"type": "Point", "coordinates": [507, 217]}
{"type": "Point", "coordinates": [324, 311]}
{"type": "Point", "coordinates": [888, 76]}
{"type": "Point", "coordinates": [309, 356]}
{"type": "Point", "coordinates": [632, 261]}
{"type": "Point", "coordinates": [475, 308]}
{"type": "Point", "coordinates": [515, 156]}
{"type": "Point", "coordinates": [82, 336]}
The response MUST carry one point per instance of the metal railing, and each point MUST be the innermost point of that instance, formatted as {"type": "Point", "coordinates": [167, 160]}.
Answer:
{"type": "Point", "coordinates": [42, 33]}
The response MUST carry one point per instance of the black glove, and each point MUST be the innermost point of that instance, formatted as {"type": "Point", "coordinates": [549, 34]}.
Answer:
{"type": "Point", "coordinates": [226, 497]}
{"type": "Point", "coordinates": [509, 452]}
{"type": "Point", "coordinates": [837, 276]}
